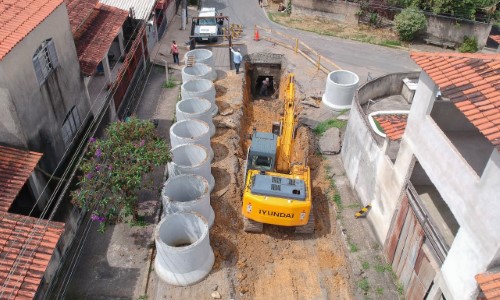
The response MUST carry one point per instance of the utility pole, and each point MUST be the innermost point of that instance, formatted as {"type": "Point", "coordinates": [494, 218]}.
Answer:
{"type": "Point", "coordinates": [184, 14]}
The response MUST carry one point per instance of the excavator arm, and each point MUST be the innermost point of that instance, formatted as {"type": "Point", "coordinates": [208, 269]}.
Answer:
{"type": "Point", "coordinates": [286, 139]}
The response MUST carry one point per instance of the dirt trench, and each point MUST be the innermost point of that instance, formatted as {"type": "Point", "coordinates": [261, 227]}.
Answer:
{"type": "Point", "coordinates": [275, 264]}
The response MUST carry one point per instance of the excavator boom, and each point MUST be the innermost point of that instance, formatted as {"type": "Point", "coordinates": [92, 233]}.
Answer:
{"type": "Point", "coordinates": [286, 139]}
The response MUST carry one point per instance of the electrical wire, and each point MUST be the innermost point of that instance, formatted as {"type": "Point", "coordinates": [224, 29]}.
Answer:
{"type": "Point", "coordinates": [102, 109]}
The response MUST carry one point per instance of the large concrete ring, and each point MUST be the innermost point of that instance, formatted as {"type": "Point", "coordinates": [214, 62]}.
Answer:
{"type": "Point", "coordinates": [183, 252]}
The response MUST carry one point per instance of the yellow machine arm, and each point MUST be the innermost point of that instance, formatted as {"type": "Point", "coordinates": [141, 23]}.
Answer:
{"type": "Point", "coordinates": [286, 139]}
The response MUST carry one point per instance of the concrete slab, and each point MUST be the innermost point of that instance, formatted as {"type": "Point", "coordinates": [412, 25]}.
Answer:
{"type": "Point", "coordinates": [330, 142]}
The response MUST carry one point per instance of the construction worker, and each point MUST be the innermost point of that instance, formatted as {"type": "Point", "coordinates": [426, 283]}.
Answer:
{"type": "Point", "coordinates": [237, 58]}
{"type": "Point", "coordinates": [264, 87]}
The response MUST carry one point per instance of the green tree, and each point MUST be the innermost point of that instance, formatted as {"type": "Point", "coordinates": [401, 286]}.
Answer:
{"type": "Point", "coordinates": [409, 22]}
{"type": "Point", "coordinates": [113, 169]}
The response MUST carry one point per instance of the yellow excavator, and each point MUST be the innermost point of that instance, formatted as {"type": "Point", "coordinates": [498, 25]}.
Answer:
{"type": "Point", "coordinates": [277, 191]}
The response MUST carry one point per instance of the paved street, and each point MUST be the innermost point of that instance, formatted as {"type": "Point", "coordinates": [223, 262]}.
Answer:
{"type": "Point", "coordinates": [357, 57]}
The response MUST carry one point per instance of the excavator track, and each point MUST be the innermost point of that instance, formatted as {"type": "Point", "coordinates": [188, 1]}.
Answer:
{"type": "Point", "coordinates": [252, 226]}
{"type": "Point", "coordinates": [309, 227]}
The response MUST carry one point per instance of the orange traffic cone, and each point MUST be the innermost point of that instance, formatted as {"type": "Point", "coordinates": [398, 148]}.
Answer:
{"type": "Point", "coordinates": [256, 35]}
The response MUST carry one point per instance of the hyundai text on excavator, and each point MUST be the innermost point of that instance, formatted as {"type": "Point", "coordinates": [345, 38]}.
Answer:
{"type": "Point", "coordinates": [277, 190]}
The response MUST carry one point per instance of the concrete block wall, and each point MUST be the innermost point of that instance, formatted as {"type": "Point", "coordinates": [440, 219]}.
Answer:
{"type": "Point", "coordinates": [341, 11]}
{"type": "Point", "coordinates": [454, 30]}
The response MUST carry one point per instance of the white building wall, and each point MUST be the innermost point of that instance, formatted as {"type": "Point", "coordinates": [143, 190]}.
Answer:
{"type": "Point", "coordinates": [376, 180]}
{"type": "Point", "coordinates": [474, 201]}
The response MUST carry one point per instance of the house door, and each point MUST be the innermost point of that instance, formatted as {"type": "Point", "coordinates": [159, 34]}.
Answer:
{"type": "Point", "coordinates": [410, 255]}
{"type": "Point", "coordinates": [151, 36]}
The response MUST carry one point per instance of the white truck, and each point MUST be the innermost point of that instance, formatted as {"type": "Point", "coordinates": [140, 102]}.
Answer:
{"type": "Point", "coordinates": [206, 28]}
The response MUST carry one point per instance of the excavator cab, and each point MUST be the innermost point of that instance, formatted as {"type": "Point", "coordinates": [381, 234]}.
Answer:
{"type": "Point", "coordinates": [262, 152]}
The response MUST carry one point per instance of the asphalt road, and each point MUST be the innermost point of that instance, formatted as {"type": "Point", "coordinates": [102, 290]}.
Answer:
{"type": "Point", "coordinates": [357, 57]}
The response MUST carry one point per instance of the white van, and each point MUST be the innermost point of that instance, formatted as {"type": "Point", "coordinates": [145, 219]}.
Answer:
{"type": "Point", "coordinates": [207, 29]}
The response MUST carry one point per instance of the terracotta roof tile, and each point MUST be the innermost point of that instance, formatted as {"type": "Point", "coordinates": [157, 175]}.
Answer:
{"type": "Point", "coordinates": [393, 124]}
{"type": "Point", "coordinates": [28, 244]}
{"type": "Point", "coordinates": [94, 38]}
{"type": "Point", "coordinates": [15, 168]}
{"type": "Point", "coordinates": [18, 18]}
{"type": "Point", "coordinates": [470, 81]}
{"type": "Point", "coordinates": [79, 11]}
{"type": "Point", "coordinates": [496, 38]}
{"type": "Point", "coordinates": [489, 283]}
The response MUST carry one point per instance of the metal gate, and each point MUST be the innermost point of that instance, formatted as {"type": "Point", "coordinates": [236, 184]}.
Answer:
{"type": "Point", "coordinates": [410, 253]}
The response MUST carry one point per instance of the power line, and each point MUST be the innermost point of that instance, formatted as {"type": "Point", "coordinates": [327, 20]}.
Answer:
{"type": "Point", "coordinates": [83, 142]}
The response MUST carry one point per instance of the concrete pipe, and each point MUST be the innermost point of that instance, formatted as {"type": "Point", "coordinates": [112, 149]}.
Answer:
{"type": "Point", "coordinates": [200, 88]}
{"type": "Point", "coordinates": [203, 56]}
{"type": "Point", "coordinates": [191, 131]}
{"type": "Point", "coordinates": [187, 193]}
{"type": "Point", "coordinates": [195, 108]}
{"type": "Point", "coordinates": [340, 88]}
{"type": "Point", "coordinates": [198, 71]}
{"type": "Point", "coordinates": [191, 159]}
{"type": "Point", "coordinates": [183, 252]}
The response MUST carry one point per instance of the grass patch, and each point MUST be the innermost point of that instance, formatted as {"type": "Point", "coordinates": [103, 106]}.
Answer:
{"type": "Point", "coordinates": [338, 201]}
{"type": "Point", "coordinates": [381, 268]}
{"type": "Point", "coordinates": [364, 284]}
{"type": "Point", "coordinates": [380, 291]}
{"type": "Point", "coordinates": [353, 206]}
{"type": "Point", "coordinates": [143, 297]}
{"type": "Point", "coordinates": [391, 43]}
{"type": "Point", "coordinates": [401, 289]}
{"type": "Point", "coordinates": [365, 265]}
{"type": "Point", "coordinates": [169, 84]}
{"type": "Point", "coordinates": [379, 127]}
{"type": "Point", "coordinates": [322, 127]}
{"type": "Point", "coordinates": [352, 246]}
{"type": "Point", "coordinates": [141, 222]}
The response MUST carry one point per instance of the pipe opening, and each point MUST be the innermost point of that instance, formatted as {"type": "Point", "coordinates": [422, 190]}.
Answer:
{"type": "Point", "coordinates": [189, 155]}
{"type": "Point", "coordinates": [190, 129]}
{"type": "Point", "coordinates": [198, 86]}
{"type": "Point", "coordinates": [194, 106]}
{"type": "Point", "coordinates": [182, 230]}
{"type": "Point", "coordinates": [185, 188]}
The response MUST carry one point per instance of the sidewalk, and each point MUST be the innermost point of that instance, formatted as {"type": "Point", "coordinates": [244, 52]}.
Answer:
{"type": "Point", "coordinates": [116, 264]}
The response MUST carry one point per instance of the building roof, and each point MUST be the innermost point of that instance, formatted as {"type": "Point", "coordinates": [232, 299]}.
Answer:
{"type": "Point", "coordinates": [489, 283]}
{"type": "Point", "coordinates": [26, 247]}
{"type": "Point", "coordinates": [142, 8]}
{"type": "Point", "coordinates": [79, 11]}
{"type": "Point", "coordinates": [15, 168]}
{"type": "Point", "coordinates": [472, 83]}
{"type": "Point", "coordinates": [94, 38]}
{"type": "Point", "coordinates": [393, 124]}
{"type": "Point", "coordinates": [19, 17]}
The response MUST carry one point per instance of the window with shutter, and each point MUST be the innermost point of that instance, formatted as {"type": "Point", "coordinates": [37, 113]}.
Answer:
{"type": "Point", "coordinates": [70, 125]}
{"type": "Point", "coordinates": [45, 60]}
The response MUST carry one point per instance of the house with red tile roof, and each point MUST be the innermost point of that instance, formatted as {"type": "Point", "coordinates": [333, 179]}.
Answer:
{"type": "Point", "coordinates": [28, 252]}
{"type": "Point", "coordinates": [43, 101]}
{"type": "Point", "coordinates": [433, 177]}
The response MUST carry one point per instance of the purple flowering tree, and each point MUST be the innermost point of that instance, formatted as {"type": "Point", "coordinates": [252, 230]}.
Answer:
{"type": "Point", "coordinates": [114, 167]}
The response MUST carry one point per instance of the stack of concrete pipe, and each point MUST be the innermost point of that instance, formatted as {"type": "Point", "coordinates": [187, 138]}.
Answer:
{"type": "Point", "coordinates": [191, 159]}
{"type": "Point", "coordinates": [203, 56]}
{"type": "Point", "coordinates": [198, 71]}
{"type": "Point", "coordinates": [195, 108]}
{"type": "Point", "coordinates": [191, 131]}
{"type": "Point", "coordinates": [200, 88]}
{"type": "Point", "coordinates": [187, 193]}
{"type": "Point", "coordinates": [184, 255]}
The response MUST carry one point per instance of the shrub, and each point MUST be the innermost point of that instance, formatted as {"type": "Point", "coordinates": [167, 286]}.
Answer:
{"type": "Point", "coordinates": [409, 22]}
{"type": "Point", "coordinates": [113, 169]}
{"type": "Point", "coordinates": [469, 45]}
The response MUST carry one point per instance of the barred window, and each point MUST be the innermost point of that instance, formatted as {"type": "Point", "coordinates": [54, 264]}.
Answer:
{"type": "Point", "coordinates": [45, 60]}
{"type": "Point", "coordinates": [70, 125]}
